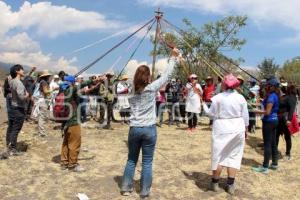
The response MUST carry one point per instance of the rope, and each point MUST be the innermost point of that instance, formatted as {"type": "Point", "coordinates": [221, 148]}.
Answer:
{"type": "Point", "coordinates": [113, 48]}
{"type": "Point", "coordinates": [205, 61]}
{"type": "Point", "coordinates": [215, 51]}
{"type": "Point", "coordinates": [134, 52]}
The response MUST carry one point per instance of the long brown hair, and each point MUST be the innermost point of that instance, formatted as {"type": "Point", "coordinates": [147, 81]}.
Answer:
{"type": "Point", "coordinates": [141, 78]}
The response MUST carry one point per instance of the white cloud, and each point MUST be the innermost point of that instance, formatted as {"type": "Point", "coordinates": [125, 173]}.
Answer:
{"type": "Point", "coordinates": [52, 20]}
{"type": "Point", "coordinates": [20, 42]}
{"type": "Point", "coordinates": [160, 66]}
{"type": "Point", "coordinates": [40, 60]}
{"type": "Point", "coordinates": [260, 11]}
{"type": "Point", "coordinates": [48, 20]}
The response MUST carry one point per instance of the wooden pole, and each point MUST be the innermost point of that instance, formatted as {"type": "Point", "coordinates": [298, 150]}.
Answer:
{"type": "Point", "coordinates": [158, 16]}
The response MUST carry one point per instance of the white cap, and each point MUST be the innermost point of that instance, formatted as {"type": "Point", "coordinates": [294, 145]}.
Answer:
{"type": "Point", "coordinates": [55, 76]}
{"type": "Point", "coordinates": [193, 76]}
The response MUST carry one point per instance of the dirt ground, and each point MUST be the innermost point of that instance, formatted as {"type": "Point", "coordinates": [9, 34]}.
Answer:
{"type": "Point", "coordinates": [181, 167]}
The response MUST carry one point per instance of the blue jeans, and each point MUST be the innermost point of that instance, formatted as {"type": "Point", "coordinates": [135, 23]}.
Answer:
{"type": "Point", "coordinates": [145, 138]}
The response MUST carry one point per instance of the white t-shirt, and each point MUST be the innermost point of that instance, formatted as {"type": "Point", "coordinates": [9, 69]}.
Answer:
{"type": "Point", "coordinates": [193, 103]}
{"type": "Point", "coordinates": [54, 86]}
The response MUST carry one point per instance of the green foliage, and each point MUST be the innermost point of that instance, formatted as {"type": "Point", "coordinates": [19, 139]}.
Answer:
{"type": "Point", "coordinates": [267, 68]}
{"type": "Point", "coordinates": [291, 70]}
{"type": "Point", "coordinates": [205, 43]}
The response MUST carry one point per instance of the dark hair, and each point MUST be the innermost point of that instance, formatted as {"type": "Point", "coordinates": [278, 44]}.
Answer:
{"type": "Point", "coordinates": [141, 78]}
{"type": "Point", "coordinates": [14, 69]}
{"type": "Point", "coordinates": [284, 90]}
{"type": "Point", "coordinates": [62, 74]}
{"type": "Point", "coordinates": [291, 90]}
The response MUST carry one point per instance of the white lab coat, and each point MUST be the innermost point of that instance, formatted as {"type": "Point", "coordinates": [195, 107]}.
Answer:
{"type": "Point", "coordinates": [230, 115]}
{"type": "Point", "coordinates": [193, 103]}
{"type": "Point", "coordinates": [123, 102]}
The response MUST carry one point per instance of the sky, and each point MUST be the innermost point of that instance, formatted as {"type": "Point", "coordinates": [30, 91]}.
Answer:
{"type": "Point", "coordinates": [68, 35]}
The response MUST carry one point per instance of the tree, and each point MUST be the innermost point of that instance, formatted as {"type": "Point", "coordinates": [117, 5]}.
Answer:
{"type": "Point", "coordinates": [291, 70]}
{"type": "Point", "coordinates": [203, 45]}
{"type": "Point", "coordinates": [267, 68]}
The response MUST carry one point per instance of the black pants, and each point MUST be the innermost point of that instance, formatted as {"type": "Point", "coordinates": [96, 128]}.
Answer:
{"type": "Point", "coordinates": [282, 129]}
{"type": "Point", "coordinates": [270, 146]}
{"type": "Point", "coordinates": [252, 122]}
{"type": "Point", "coordinates": [109, 107]}
{"type": "Point", "coordinates": [182, 111]}
{"type": "Point", "coordinates": [192, 120]}
{"type": "Point", "coordinates": [15, 124]}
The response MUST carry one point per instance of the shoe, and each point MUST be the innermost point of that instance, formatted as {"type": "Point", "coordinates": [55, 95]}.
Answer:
{"type": "Point", "coordinates": [261, 169]}
{"type": "Point", "coordinates": [15, 152]}
{"type": "Point", "coordinates": [273, 167]}
{"type": "Point", "coordinates": [287, 158]}
{"type": "Point", "coordinates": [178, 125]}
{"type": "Point", "coordinates": [63, 167]}
{"type": "Point", "coordinates": [144, 196]}
{"type": "Point", "coordinates": [78, 168]}
{"type": "Point", "coordinates": [214, 187]}
{"type": "Point", "coordinates": [126, 193]}
{"type": "Point", "coordinates": [108, 127]}
{"type": "Point", "coordinates": [230, 189]}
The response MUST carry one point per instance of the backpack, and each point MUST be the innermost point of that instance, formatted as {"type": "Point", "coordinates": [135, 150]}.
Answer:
{"type": "Point", "coordinates": [61, 111]}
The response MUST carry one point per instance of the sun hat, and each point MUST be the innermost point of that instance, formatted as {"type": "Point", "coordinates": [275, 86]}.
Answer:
{"type": "Point", "coordinates": [231, 81]}
{"type": "Point", "coordinates": [239, 77]}
{"type": "Point", "coordinates": [45, 73]}
{"type": "Point", "coordinates": [124, 77]}
{"type": "Point", "coordinates": [193, 76]}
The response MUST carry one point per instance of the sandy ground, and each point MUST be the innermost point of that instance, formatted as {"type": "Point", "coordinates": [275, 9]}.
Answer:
{"type": "Point", "coordinates": [181, 167]}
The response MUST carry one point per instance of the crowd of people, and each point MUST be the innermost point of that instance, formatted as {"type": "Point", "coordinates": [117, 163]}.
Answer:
{"type": "Point", "coordinates": [232, 105]}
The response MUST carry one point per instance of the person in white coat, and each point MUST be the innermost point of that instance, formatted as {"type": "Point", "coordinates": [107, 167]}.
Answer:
{"type": "Point", "coordinates": [123, 90]}
{"type": "Point", "coordinates": [230, 119]}
{"type": "Point", "coordinates": [193, 101]}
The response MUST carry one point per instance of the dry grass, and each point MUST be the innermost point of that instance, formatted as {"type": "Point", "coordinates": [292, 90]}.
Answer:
{"type": "Point", "coordinates": [181, 168]}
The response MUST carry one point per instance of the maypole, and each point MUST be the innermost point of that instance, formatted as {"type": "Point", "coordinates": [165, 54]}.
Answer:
{"type": "Point", "coordinates": [158, 16]}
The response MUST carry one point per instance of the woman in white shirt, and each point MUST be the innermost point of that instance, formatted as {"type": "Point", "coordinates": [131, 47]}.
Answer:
{"type": "Point", "coordinates": [193, 101]}
{"type": "Point", "coordinates": [230, 119]}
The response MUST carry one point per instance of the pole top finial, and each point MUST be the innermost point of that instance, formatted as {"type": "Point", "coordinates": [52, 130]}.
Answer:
{"type": "Point", "coordinates": [158, 13]}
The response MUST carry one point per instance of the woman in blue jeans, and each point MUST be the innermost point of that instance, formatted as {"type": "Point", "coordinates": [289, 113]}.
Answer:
{"type": "Point", "coordinates": [142, 133]}
{"type": "Point", "coordinates": [270, 122]}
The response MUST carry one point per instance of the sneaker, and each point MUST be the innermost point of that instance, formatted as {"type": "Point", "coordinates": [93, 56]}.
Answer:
{"type": "Point", "coordinates": [230, 189]}
{"type": "Point", "coordinates": [144, 196]}
{"type": "Point", "coordinates": [78, 168]}
{"type": "Point", "coordinates": [214, 187]}
{"type": "Point", "coordinates": [63, 167]}
{"type": "Point", "coordinates": [273, 167]}
{"type": "Point", "coordinates": [287, 158]}
{"type": "Point", "coordinates": [108, 127]}
{"type": "Point", "coordinates": [15, 152]}
{"type": "Point", "coordinates": [125, 193]}
{"type": "Point", "coordinates": [261, 169]}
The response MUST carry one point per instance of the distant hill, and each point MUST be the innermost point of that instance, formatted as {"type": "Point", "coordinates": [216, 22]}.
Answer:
{"type": "Point", "coordinates": [4, 69]}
